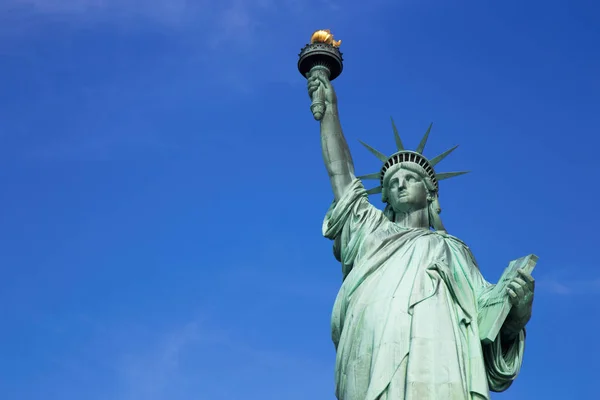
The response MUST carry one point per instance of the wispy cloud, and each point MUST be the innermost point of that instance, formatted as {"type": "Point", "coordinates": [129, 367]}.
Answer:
{"type": "Point", "coordinates": [226, 18]}
{"type": "Point", "coordinates": [215, 23]}
{"type": "Point", "coordinates": [570, 286]}
{"type": "Point", "coordinates": [163, 11]}
{"type": "Point", "coordinates": [147, 375]}
{"type": "Point", "coordinates": [199, 360]}
{"type": "Point", "coordinates": [568, 281]}
{"type": "Point", "coordinates": [213, 47]}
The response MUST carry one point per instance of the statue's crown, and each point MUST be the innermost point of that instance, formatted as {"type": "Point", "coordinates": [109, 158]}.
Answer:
{"type": "Point", "coordinates": [404, 156]}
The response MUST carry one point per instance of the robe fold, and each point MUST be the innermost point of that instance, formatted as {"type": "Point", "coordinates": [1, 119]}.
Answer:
{"type": "Point", "coordinates": [404, 322]}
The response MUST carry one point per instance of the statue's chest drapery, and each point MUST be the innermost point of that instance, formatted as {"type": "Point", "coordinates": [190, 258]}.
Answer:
{"type": "Point", "coordinates": [391, 242]}
{"type": "Point", "coordinates": [385, 235]}
{"type": "Point", "coordinates": [389, 260]}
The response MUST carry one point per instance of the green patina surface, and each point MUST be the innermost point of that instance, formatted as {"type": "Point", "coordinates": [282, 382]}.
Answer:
{"type": "Point", "coordinates": [405, 320]}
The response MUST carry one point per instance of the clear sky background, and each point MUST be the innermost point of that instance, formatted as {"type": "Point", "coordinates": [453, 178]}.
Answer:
{"type": "Point", "coordinates": [162, 188]}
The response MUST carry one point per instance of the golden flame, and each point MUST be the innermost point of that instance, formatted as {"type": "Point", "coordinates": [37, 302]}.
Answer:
{"type": "Point", "coordinates": [324, 36]}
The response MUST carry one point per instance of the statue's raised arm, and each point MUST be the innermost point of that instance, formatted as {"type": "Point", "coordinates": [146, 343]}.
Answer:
{"type": "Point", "coordinates": [321, 62]}
{"type": "Point", "coordinates": [336, 153]}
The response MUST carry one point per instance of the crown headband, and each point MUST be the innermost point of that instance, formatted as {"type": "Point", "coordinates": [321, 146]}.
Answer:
{"type": "Point", "coordinates": [415, 157]}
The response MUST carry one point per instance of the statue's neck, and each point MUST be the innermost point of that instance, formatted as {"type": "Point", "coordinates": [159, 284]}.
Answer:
{"type": "Point", "coordinates": [413, 218]}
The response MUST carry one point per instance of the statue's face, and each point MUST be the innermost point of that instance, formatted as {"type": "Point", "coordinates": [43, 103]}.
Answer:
{"type": "Point", "coordinates": [406, 191]}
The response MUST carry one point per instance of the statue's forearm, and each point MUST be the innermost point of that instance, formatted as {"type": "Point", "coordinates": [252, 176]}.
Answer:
{"type": "Point", "coordinates": [336, 153]}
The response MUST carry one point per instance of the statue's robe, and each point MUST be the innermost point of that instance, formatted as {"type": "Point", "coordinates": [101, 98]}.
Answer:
{"type": "Point", "coordinates": [404, 323]}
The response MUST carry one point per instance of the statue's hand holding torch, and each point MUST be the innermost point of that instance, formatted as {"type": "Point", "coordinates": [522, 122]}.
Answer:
{"type": "Point", "coordinates": [321, 62]}
{"type": "Point", "coordinates": [321, 93]}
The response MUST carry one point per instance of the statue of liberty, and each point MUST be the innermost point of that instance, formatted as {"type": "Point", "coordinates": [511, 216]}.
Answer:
{"type": "Point", "coordinates": [405, 320]}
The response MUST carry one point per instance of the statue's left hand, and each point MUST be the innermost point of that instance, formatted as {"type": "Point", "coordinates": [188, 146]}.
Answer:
{"type": "Point", "coordinates": [520, 292]}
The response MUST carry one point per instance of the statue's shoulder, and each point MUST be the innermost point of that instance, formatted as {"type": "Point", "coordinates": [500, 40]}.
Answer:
{"type": "Point", "coordinates": [451, 239]}
{"type": "Point", "coordinates": [430, 237]}
{"type": "Point", "coordinates": [456, 243]}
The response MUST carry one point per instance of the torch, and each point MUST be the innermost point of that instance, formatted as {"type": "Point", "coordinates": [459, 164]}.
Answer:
{"type": "Point", "coordinates": [320, 57]}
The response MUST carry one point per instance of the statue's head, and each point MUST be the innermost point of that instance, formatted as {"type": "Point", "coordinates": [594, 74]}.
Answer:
{"type": "Point", "coordinates": [406, 188]}
{"type": "Point", "coordinates": [408, 181]}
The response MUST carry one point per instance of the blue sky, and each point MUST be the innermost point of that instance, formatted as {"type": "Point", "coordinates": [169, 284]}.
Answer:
{"type": "Point", "coordinates": [163, 188]}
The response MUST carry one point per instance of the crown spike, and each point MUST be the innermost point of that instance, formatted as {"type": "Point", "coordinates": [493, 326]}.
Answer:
{"type": "Point", "coordinates": [439, 158]}
{"type": "Point", "coordinates": [399, 144]}
{"type": "Point", "coordinates": [382, 157]}
{"type": "Point", "coordinates": [421, 146]}
{"type": "Point", "coordinates": [448, 175]}
{"type": "Point", "coordinates": [375, 190]}
{"type": "Point", "coordinates": [374, 176]}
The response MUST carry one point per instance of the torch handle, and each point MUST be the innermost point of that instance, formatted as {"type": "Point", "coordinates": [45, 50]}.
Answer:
{"type": "Point", "coordinates": [317, 107]}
